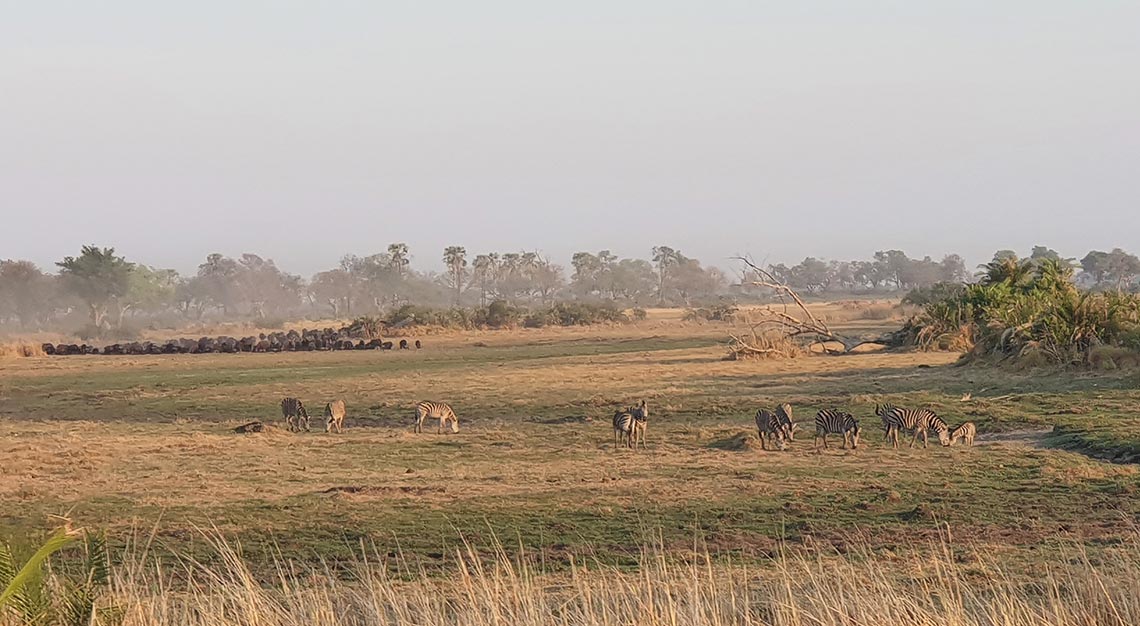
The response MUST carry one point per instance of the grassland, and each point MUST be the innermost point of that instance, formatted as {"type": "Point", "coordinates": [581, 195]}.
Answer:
{"type": "Point", "coordinates": [140, 444]}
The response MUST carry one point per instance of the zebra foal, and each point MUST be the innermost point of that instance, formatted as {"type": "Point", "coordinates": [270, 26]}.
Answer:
{"type": "Point", "coordinates": [965, 432]}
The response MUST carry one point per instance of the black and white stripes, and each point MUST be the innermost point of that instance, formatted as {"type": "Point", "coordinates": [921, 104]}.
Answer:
{"type": "Point", "coordinates": [630, 425]}
{"type": "Point", "coordinates": [436, 410]}
{"type": "Point", "coordinates": [834, 421]}
{"type": "Point", "coordinates": [919, 421]}
{"type": "Point", "coordinates": [775, 426]}
{"type": "Point", "coordinates": [296, 417]}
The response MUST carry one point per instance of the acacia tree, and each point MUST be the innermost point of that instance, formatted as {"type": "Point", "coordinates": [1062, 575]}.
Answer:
{"type": "Point", "coordinates": [98, 278]}
{"type": "Point", "coordinates": [148, 289]}
{"type": "Point", "coordinates": [1117, 268]}
{"type": "Point", "coordinates": [217, 282]}
{"type": "Point", "coordinates": [25, 292]}
{"type": "Point", "coordinates": [334, 288]}
{"type": "Point", "coordinates": [455, 258]}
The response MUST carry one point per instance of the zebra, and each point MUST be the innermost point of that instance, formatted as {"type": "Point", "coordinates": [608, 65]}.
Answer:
{"type": "Point", "coordinates": [964, 431]}
{"type": "Point", "coordinates": [918, 420]}
{"type": "Point", "coordinates": [829, 421]}
{"type": "Point", "coordinates": [293, 410]}
{"type": "Point", "coordinates": [784, 414]}
{"type": "Point", "coordinates": [623, 428]}
{"type": "Point", "coordinates": [640, 411]}
{"type": "Point", "coordinates": [882, 410]}
{"type": "Point", "coordinates": [334, 416]}
{"type": "Point", "coordinates": [769, 426]}
{"type": "Point", "coordinates": [434, 410]}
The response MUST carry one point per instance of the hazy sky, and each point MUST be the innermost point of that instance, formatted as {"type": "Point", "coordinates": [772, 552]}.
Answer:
{"type": "Point", "coordinates": [305, 130]}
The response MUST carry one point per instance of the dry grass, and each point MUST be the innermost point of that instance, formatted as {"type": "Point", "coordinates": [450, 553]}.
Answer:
{"type": "Point", "coordinates": [20, 349]}
{"type": "Point", "coordinates": [953, 585]}
{"type": "Point", "coordinates": [861, 310]}
{"type": "Point", "coordinates": [124, 441]}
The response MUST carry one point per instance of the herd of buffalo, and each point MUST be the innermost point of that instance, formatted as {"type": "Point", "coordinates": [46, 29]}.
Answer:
{"type": "Point", "coordinates": [292, 341]}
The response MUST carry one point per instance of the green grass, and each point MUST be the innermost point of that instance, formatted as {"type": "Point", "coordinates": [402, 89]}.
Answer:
{"type": "Point", "coordinates": [131, 444]}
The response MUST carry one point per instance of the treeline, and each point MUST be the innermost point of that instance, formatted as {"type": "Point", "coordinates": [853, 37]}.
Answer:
{"type": "Point", "coordinates": [101, 292]}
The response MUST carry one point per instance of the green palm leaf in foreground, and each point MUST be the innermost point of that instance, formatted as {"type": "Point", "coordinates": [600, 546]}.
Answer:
{"type": "Point", "coordinates": [13, 581]}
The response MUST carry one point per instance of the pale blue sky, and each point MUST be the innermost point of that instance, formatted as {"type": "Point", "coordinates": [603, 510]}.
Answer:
{"type": "Point", "coordinates": [305, 130]}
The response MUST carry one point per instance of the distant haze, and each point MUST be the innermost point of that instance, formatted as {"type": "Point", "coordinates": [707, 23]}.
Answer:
{"type": "Point", "coordinates": [301, 130]}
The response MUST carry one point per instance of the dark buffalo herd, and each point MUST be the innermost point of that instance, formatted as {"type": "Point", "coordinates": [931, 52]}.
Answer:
{"type": "Point", "coordinates": [291, 341]}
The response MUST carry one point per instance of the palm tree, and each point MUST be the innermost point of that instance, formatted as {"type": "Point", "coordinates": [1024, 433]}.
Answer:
{"type": "Point", "coordinates": [398, 258]}
{"type": "Point", "coordinates": [1054, 274]}
{"type": "Point", "coordinates": [665, 258]}
{"type": "Point", "coordinates": [1007, 269]}
{"type": "Point", "coordinates": [455, 257]}
{"type": "Point", "coordinates": [485, 266]}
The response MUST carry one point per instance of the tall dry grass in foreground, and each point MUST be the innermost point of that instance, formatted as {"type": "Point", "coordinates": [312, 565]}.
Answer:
{"type": "Point", "coordinates": [825, 591]}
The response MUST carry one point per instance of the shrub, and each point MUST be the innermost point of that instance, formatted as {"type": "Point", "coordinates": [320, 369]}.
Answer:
{"type": "Point", "coordinates": [499, 314]}
{"type": "Point", "coordinates": [581, 314]}
{"type": "Point", "coordinates": [922, 296]}
{"type": "Point", "coordinates": [718, 313]}
{"type": "Point", "coordinates": [367, 328]}
{"type": "Point", "coordinates": [639, 314]}
{"type": "Point", "coordinates": [1043, 320]}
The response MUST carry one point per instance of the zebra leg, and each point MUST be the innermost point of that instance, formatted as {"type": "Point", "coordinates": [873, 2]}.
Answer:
{"type": "Point", "coordinates": [924, 438]}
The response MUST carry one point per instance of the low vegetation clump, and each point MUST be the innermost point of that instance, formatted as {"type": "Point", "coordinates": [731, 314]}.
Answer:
{"type": "Point", "coordinates": [718, 313]}
{"type": "Point", "coordinates": [1031, 313]}
{"type": "Point", "coordinates": [501, 314]}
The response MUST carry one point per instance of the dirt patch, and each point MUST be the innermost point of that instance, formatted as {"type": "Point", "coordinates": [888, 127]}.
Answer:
{"type": "Point", "coordinates": [380, 490]}
{"type": "Point", "coordinates": [1032, 437]}
{"type": "Point", "coordinates": [568, 419]}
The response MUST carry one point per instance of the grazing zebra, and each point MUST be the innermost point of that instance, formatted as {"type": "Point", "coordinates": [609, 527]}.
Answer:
{"type": "Point", "coordinates": [623, 428]}
{"type": "Point", "coordinates": [918, 420]}
{"type": "Point", "coordinates": [834, 421]}
{"type": "Point", "coordinates": [435, 410]}
{"type": "Point", "coordinates": [334, 416]}
{"type": "Point", "coordinates": [964, 431]}
{"type": "Point", "coordinates": [770, 427]}
{"type": "Point", "coordinates": [882, 410]}
{"type": "Point", "coordinates": [784, 414]}
{"type": "Point", "coordinates": [293, 410]}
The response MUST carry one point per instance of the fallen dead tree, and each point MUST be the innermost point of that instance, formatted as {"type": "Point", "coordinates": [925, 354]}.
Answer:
{"type": "Point", "coordinates": [788, 328]}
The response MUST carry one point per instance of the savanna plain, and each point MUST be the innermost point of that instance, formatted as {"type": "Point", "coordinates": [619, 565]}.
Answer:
{"type": "Point", "coordinates": [530, 514]}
